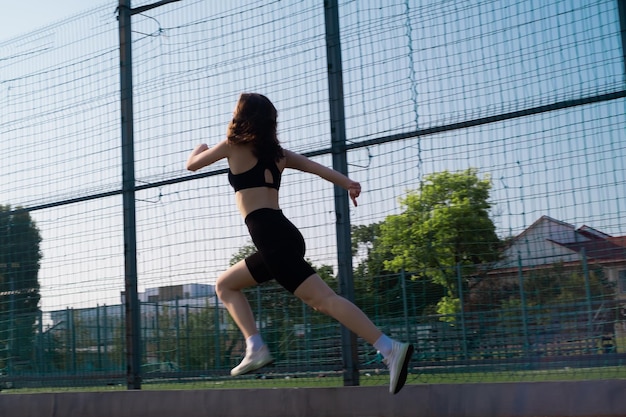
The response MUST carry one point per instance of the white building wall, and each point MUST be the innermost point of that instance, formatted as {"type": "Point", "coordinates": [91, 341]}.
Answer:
{"type": "Point", "coordinates": [536, 245]}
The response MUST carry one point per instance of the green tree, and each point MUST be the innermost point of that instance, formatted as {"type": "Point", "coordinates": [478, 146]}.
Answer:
{"type": "Point", "coordinates": [243, 252]}
{"type": "Point", "coordinates": [366, 247]}
{"type": "Point", "coordinates": [558, 286]}
{"type": "Point", "coordinates": [443, 226]}
{"type": "Point", "coordinates": [378, 290]}
{"type": "Point", "coordinates": [19, 286]}
{"type": "Point", "coordinates": [204, 345]}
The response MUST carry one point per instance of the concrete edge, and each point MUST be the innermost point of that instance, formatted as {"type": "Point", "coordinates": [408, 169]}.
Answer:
{"type": "Point", "coordinates": [604, 398]}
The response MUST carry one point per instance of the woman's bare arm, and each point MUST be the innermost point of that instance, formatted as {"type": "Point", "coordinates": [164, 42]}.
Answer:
{"type": "Point", "coordinates": [302, 163]}
{"type": "Point", "coordinates": [203, 156]}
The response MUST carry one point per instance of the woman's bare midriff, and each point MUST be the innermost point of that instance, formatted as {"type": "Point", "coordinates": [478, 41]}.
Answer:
{"type": "Point", "coordinates": [252, 199]}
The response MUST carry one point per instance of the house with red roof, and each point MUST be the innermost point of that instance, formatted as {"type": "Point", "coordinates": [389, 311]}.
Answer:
{"type": "Point", "coordinates": [549, 244]}
{"type": "Point", "coordinates": [549, 241]}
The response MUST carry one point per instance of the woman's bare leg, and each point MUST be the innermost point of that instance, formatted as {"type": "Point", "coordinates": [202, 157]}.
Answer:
{"type": "Point", "coordinates": [321, 297]}
{"type": "Point", "coordinates": [317, 294]}
{"type": "Point", "coordinates": [228, 288]}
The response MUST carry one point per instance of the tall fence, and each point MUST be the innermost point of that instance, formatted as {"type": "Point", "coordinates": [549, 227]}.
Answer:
{"type": "Point", "coordinates": [527, 96]}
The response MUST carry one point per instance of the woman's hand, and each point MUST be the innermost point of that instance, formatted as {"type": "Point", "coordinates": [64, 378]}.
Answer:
{"type": "Point", "coordinates": [192, 161]}
{"type": "Point", "coordinates": [200, 148]}
{"type": "Point", "coordinates": [354, 190]}
{"type": "Point", "coordinates": [202, 155]}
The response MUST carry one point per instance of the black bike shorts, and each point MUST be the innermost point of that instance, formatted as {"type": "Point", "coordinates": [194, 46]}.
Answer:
{"type": "Point", "coordinates": [280, 249]}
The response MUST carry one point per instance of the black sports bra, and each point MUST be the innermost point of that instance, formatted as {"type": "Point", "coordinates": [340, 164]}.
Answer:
{"type": "Point", "coordinates": [255, 176]}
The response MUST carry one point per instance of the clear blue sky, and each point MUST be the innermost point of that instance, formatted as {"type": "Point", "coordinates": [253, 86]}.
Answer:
{"type": "Point", "coordinates": [21, 17]}
{"type": "Point", "coordinates": [568, 165]}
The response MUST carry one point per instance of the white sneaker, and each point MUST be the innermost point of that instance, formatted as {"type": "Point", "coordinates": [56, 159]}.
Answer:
{"type": "Point", "coordinates": [398, 362]}
{"type": "Point", "coordinates": [253, 361]}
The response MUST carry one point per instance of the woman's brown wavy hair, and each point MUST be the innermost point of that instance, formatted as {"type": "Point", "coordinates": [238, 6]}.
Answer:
{"type": "Point", "coordinates": [254, 121]}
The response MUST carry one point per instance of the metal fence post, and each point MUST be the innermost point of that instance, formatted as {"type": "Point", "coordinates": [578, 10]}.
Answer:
{"type": "Point", "coordinates": [177, 324]}
{"type": "Point", "coordinates": [133, 351]}
{"type": "Point", "coordinates": [583, 256]}
{"type": "Point", "coordinates": [621, 8]}
{"type": "Point", "coordinates": [405, 305]}
{"type": "Point", "coordinates": [217, 333]}
{"type": "Point", "coordinates": [520, 277]}
{"type": "Point", "coordinates": [342, 208]}
{"type": "Point", "coordinates": [459, 279]}
{"type": "Point", "coordinates": [132, 312]}
{"type": "Point", "coordinates": [98, 338]}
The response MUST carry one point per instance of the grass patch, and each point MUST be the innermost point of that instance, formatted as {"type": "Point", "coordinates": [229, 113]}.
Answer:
{"type": "Point", "coordinates": [307, 381]}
